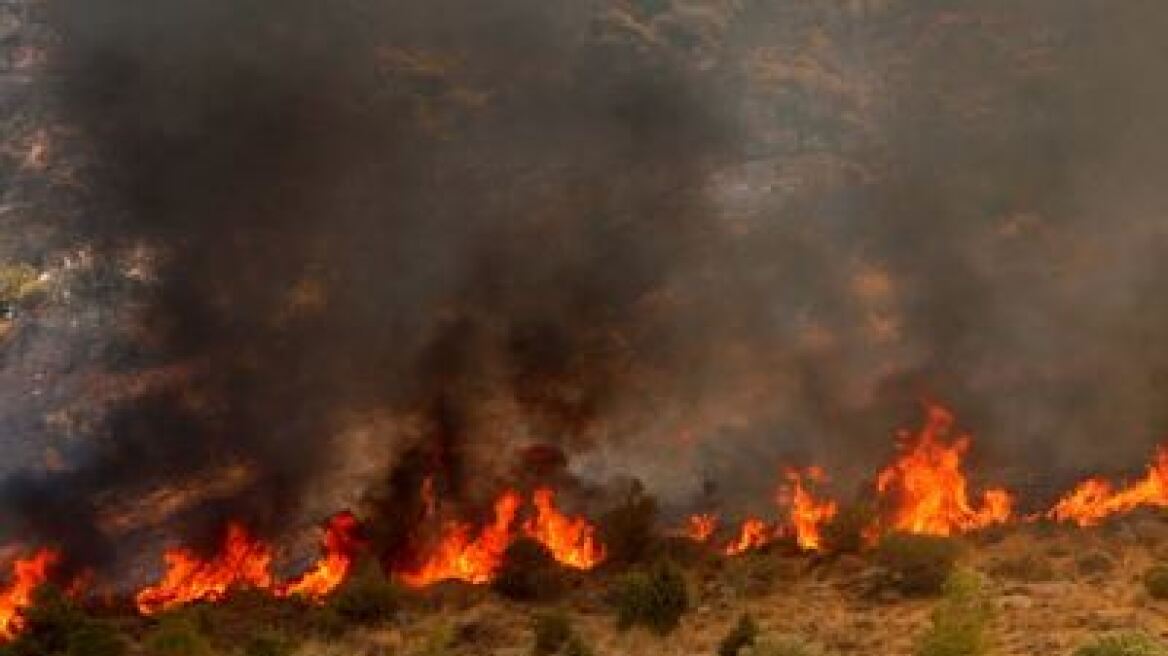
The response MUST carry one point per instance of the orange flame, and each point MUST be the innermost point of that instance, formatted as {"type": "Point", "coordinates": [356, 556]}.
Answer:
{"type": "Point", "coordinates": [754, 533]}
{"type": "Point", "coordinates": [242, 562]}
{"type": "Point", "coordinates": [808, 515]}
{"type": "Point", "coordinates": [571, 540]}
{"type": "Point", "coordinates": [700, 527]}
{"type": "Point", "coordinates": [27, 575]}
{"type": "Point", "coordinates": [1094, 499]}
{"type": "Point", "coordinates": [929, 488]}
{"type": "Point", "coordinates": [340, 546]}
{"type": "Point", "coordinates": [459, 557]}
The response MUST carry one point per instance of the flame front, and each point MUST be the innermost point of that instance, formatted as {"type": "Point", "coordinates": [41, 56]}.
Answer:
{"type": "Point", "coordinates": [340, 546]}
{"type": "Point", "coordinates": [27, 574]}
{"type": "Point", "coordinates": [754, 533]}
{"type": "Point", "coordinates": [928, 487]}
{"type": "Point", "coordinates": [808, 515]}
{"type": "Point", "coordinates": [460, 557]}
{"type": "Point", "coordinates": [571, 540]}
{"type": "Point", "coordinates": [243, 561]}
{"type": "Point", "coordinates": [1095, 499]}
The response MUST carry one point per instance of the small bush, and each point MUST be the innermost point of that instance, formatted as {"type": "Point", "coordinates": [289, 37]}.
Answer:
{"type": "Point", "coordinates": [1156, 581]}
{"type": "Point", "coordinates": [177, 636]}
{"type": "Point", "coordinates": [628, 531]}
{"type": "Point", "coordinates": [529, 573]}
{"type": "Point", "coordinates": [1123, 644]}
{"type": "Point", "coordinates": [655, 598]}
{"type": "Point", "coordinates": [268, 644]}
{"type": "Point", "coordinates": [958, 624]}
{"type": "Point", "coordinates": [744, 634]}
{"type": "Point", "coordinates": [1028, 568]}
{"type": "Point", "coordinates": [367, 597]}
{"type": "Point", "coordinates": [919, 564]}
{"type": "Point", "coordinates": [552, 631]}
{"type": "Point", "coordinates": [1094, 563]}
{"type": "Point", "coordinates": [784, 647]}
{"type": "Point", "coordinates": [845, 532]}
{"type": "Point", "coordinates": [95, 639]}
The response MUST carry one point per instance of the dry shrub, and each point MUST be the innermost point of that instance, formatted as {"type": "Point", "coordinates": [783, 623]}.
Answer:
{"type": "Point", "coordinates": [177, 636]}
{"type": "Point", "coordinates": [367, 597]}
{"type": "Point", "coordinates": [786, 646]}
{"type": "Point", "coordinates": [1030, 568]}
{"type": "Point", "coordinates": [744, 634]}
{"type": "Point", "coordinates": [529, 573]}
{"type": "Point", "coordinates": [1156, 581]}
{"type": "Point", "coordinates": [628, 531]}
{"type": "Point", "coordinates": [918, 564]}
{"type": "Point", "coordinates": [1094, 563]}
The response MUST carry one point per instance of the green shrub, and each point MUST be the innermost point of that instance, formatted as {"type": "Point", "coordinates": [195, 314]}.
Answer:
{"type": "Point", "coordinates": [95, 639]}
{"type": "Point", "coordinates": [958, 625]}
{"type": "Point", "coordinates": [268, 644]}
{"type": "Point", "coordinates": [918, 564]}
{"type": "Point", "coordinates": [845, 532]}
{"type": "Point", "coordinates": [784, 647]}
{"type": "Point", "coordinates": [1156, 581]}
{"type": "Point", "coordinates": [655, 598]}
{"type": "Point", "coordinates": [552, 631]}
{"type": "Point", "coordinates": [1123, 644]}
{"type": "Point", "coordinates": [529, 573]}
{"type": "Point", "coordinates": [742, 635]}
{"type": "Point", "coordinates": [629, 530]}
{"type": "Point", "coordinates": [177, 636]}
{"type": "Point", "coordinates": [367, 597]}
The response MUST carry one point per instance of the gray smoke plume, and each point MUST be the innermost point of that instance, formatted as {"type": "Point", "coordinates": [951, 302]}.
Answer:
{"type": "Point", "coordinates": [687, 242]}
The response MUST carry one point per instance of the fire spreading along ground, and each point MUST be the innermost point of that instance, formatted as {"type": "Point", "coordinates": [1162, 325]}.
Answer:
{"type": "Point", "coordinates": [924, 490]}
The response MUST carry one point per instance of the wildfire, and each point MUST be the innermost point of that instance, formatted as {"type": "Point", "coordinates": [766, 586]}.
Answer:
{"type": "Point", "coordinates": [928, 487]}
{"type": "Point", "coordinates": [27, 574]}
{"type": "Point", "coordinates": [243, 561]}
{"type": "Point", "coordinates": [459, 556]}
{"type": "Point", "coordinates": [340, 546]}
{"type": "Point", "coordinates": [571, 540]}
{"type": "Point", "coordinates": [700, 527]}
{"type": "Point", "coordinates": [754, 533]}
{"type": "Point", "coordinates": [808, 515]}
{"type": "Point", "coordinates": [1094, 499]}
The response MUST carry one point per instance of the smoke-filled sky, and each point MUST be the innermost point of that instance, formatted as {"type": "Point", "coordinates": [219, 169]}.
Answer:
{"type": "Point", "coordinates": [684, 241]}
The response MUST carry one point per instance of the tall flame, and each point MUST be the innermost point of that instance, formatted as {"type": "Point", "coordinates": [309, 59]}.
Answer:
{"type": "Point", "coordinates": [242, 561]}
{"type": "Point", "coordinates": [753, 534]}
{"type": "Point", "coordinates": [459, 556]}
{"type": "Point", "coordinates": [571, 540]}
{"type": "Point", "coordinates": [27, 574]}
{"type": "Point", "coordinates": [1095, 499]}
{"type": "Point", "coordinates": [340, 547]}
{"type": "Point", "coordinates": [928, 487]}
{"type": "Point", "coordinates": [808, 515]}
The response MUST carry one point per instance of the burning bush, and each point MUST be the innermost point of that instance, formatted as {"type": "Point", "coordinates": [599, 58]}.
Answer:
{"type": "Point", "coordinates": [655, 598]}
{"type": "Point", "coordinates": [845, 533]}
{"type": "Point", "coordinates": [51, 625]}
{"type": "Point", "coordinates": [1156, 581]}
{"type": "Point", "coordinates": [918, 564]}
{"type": "Point", "coordinates": [1123, 644]}
{"type": "Point", "coordinates": [958, 624]}
{"type": "Point", "coordinates": [529, 573]}
{"type": "Point", "coordinates": [744, 634]}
